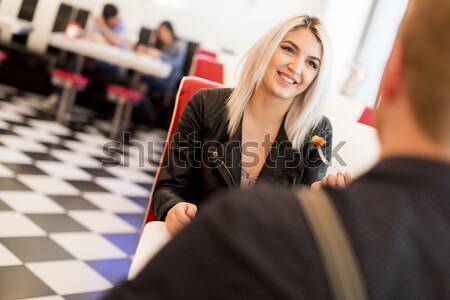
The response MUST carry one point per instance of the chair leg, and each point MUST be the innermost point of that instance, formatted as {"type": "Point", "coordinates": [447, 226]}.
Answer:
{"type": "Point", "coordinates": [126, 117]}
{"type": "Point", "coordinates": [64, 103]}
{"type": "Point", "coordinates": [118, 116]}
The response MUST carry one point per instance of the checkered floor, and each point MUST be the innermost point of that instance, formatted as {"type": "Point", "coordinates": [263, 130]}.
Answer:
{"type": "Point", "coordinates": [69, 217]}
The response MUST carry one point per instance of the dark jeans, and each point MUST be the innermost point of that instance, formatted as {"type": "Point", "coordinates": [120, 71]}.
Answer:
{"type": "Point", "coordinates": [153, 85]}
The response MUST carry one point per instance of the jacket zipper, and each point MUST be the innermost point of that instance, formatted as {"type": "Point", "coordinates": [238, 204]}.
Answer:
{"type": "Point", "coordinates": [229, 173]}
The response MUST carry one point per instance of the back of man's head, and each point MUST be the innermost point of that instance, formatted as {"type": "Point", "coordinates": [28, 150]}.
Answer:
{"type": "Point", "coordinates": [425, 37]}
{"type": "Point", "coordinates": [109, 10]}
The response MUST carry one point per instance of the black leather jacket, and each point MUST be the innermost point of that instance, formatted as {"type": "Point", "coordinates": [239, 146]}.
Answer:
{"type": "Point", "coordinates": [203, 158]}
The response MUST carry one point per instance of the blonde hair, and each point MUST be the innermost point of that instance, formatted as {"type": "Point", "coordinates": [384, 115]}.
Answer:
{"type": "Point", "coordinates": [426, 45]}
{"type": "Point", "coordinates": [306, 110]}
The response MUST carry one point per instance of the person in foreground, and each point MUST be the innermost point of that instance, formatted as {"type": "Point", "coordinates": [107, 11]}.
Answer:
{"type": "Point", "coordinates": [244, 245]}
{"type": "Point", "coordinates": [259, 131]}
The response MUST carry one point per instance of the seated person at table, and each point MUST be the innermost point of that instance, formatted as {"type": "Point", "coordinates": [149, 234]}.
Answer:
{"type": "Point", "coordinates": [108, 28]}
{"type": "Point", "coordinates": [259, 244]}
{"type": "Point", "coordinates": [169, 49]}
{"type": "Point", "coordinates": [259, 131]}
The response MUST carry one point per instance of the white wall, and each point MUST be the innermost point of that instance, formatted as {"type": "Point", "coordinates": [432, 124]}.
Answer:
{"type": "Point", "coordinates": [346, 20]}
{"type": "Point", "coordinates": [219, 24]}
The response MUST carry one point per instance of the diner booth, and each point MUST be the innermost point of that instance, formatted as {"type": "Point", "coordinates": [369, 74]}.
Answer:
{"type": "Point", "coordinates": [79, 157]}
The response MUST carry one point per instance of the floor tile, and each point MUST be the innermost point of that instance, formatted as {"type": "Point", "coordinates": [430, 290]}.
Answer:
{"type": "Point", "coordinates": [62, 170]}
{"type": "Point", "coordinates": [43, 249]}
{"type": "Point", "coordinates": [141, 201]}
{"type": "Point", "coordinates": [40, 156]}
{"type": "Point", "coordinates": [75, 159]}
{"type": "Point", "coordinates": [22, 122]}
{"type": "Point", "coordinates": [30, 202]}
{"type": "Point", "coordinates": [16, 109]}
{"type": "Point", "coordinates": [55, 146]}
{"type": "Point", "coordinates": [88, 296]}
{"type": "Point", "coordinates": [36, 134]}
{"type": "Point", "coordinates": [7, 132]}
{"type": "Point", "coordinates": [98, 172]}
{"type": "Point", "coordinates": [131, 174]}
{"type": "Point", "coordinates": [87, 186]}
{"type": "Point", "coordinates": [48, 185]}
{"type": "Point", "coordinates": [115, 270]}
{"type": "Point", "coordinates": [50, 126]}
{"type": "Point", "coordinates": [13, 156]}
{"type": "Point", "coordinates": [113, 203]}
{"type": "Point", "coordinates": [88, 246]}
{"type": "Point", "coordinates": [92, 150]}
{"type": "Point", "coordinates": [7, 258]}
{"type": "Point", "coordinates": [74, 203]}
{"type": "Point", "coordinates": [13, 224]}
{"type": "Point", "coordinates": [4, 125]}
{"type": "Point", "coordinates": [56, 222]}
{"type": "Point", "coordinates": [29, 284]}
{"type": "Point", "coordinates": [93, 139]}
{"type": "Point", "coordinates": [12, 184]}
{"type": "Point", "coordinates": [121, 187]}
{"type": "Point", "coordinates": [147, 186]}
{"type": "Point", "coordinates": [22, 144]}
{"type": "Point", "coordinates": [5, 172]}
{"type": "Point", "coordinates": [46, 298]}
{"type": "Point", "coordinates": [102, 222]}
{"type": "Point", "coordinates": [78, 277]}
{"type": "Point", "coordinates": [134, 219]}
{"type": "Point", "coordinates": [3, 206]}
{"type": "Point", "coordinates": [24, 169]}
{"type": "Point", "coordinates": [126, 241]}
{"type": "Point", "coordinates": [10, 118]}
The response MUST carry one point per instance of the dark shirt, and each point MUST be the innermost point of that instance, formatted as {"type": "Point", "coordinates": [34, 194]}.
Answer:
{"type": "Point", "coordinates": [256, 244]}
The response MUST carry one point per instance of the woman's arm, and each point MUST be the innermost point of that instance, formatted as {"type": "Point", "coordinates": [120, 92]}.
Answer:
{"type": "Point", "coordinates": [182, 158]}
{"type": "Point", "coordinates": [176, 55]}
{"type": "Point", "coordinates": [315, 169]}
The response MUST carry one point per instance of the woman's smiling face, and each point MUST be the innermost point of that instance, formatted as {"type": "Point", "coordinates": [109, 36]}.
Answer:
{"type": "Point", "coordinates": [294, 65]}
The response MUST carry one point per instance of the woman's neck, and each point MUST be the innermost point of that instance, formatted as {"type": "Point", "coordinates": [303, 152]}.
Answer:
{"type": "Point", "coordinates": [267, 110]}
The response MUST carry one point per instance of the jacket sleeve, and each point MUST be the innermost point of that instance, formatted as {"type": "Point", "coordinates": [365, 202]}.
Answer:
{"type": "Point", "coordinates": [182, 158]}
{"type": "Point", "coordinates": [315, 168]}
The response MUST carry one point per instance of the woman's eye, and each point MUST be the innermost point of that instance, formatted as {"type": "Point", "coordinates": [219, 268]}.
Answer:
{"type": "Point", "coordinates": [288, 49]}
{"type": "Point", "coordinates": [313, 65]}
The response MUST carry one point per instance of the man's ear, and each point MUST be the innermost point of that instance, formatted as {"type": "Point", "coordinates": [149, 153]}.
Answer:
{"type": "Point", "coordinates": [393, 73]}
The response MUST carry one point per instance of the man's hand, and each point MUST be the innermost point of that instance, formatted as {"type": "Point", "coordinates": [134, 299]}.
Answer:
{"type": "Point", "coordinates": [338, 181]}
{"type": "Point", "coordinates": [179, 216]}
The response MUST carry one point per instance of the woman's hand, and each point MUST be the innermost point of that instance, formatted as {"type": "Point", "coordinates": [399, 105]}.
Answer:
{"type": "Point", "coordinates": [179, 216]}
{"type": "Point", "coordinates": [141, 49]}
{"type": "Point", "coordinates": [338, 181]}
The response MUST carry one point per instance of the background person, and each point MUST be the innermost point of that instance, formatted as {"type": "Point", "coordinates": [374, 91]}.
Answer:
{"type": "Point", "coordinates": [169, 49]}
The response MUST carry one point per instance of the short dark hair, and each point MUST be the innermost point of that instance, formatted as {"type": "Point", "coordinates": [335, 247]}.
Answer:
{"type": "Point", "coordinates": [109, 11]}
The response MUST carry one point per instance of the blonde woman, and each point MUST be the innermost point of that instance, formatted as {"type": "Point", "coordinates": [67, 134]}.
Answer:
{"type": "Point", "coordinates": [256, 132]}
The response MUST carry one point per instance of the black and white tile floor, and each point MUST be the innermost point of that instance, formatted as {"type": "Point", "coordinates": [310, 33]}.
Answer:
{"type": "Point", "coordinates": [69, 225]}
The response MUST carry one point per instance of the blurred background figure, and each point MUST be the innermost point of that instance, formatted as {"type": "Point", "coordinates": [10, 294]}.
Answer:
{"type": "Point", "coordinates": [170, 49]}
{"type": "Point", "coordinates": [108, 28]}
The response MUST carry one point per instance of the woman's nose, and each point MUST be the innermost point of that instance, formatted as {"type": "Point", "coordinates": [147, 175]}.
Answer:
{"type": "Point", "coordinates": [295, 66]}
